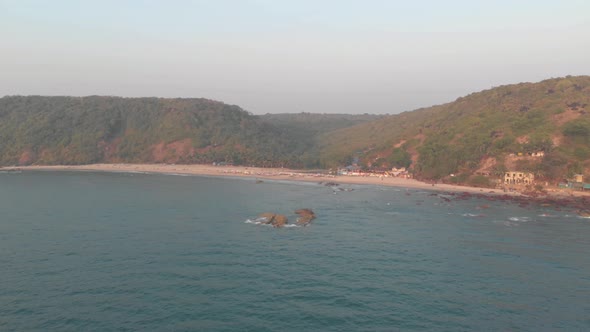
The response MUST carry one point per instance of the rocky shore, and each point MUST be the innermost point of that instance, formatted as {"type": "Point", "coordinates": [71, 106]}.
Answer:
{"type": "Point", "coordinates": [581, 204]}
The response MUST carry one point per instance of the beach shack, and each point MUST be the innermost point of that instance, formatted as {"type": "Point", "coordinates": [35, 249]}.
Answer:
{"type": "Point", "coordinates": [520, 178]}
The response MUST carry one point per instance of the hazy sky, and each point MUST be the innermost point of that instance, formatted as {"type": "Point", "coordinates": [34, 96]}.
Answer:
{"type": "Point", "coordinates": [277, 56]}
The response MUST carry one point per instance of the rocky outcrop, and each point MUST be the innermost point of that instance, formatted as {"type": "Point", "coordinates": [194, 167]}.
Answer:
{"type": "Point", "coordinates": [280, 220]}
{"type": "Point", "coordinates": [305, 216]}
{"type": "Point", "coordinates": [274, 219]}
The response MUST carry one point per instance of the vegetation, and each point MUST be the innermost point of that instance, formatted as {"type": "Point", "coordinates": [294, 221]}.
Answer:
{"type": "Point", "coordinates": [305, 129]}
{"type": "Point", "coordinates": [74, 130]}
{"type": "Point", "coordinates": [486, 132]}
{"type": "Point", "coordinates": [543, 128]}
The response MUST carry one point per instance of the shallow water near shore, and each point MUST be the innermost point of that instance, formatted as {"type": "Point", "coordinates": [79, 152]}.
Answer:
{"type": "Point", "coordinates": [114, 251]}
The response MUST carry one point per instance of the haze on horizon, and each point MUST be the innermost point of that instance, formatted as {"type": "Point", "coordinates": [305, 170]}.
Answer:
{"type": "Point", "coordinates": [289, 56]}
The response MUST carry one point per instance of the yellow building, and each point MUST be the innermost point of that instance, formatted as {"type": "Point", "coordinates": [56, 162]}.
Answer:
{"type": "Point", "coordinates": [518, 178]}
{"type": "Point", "coordinates": [578, 178]}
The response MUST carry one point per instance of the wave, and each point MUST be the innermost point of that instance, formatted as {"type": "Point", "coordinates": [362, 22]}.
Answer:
{"type": "Point", "coordinates": [178, 174]}
{"type": "Point", "coordinates": [473, 215]}
{"type": "Point", "coordinates": [262, 222]}
{"type": "Point", "coordinates": [257, 221]}
{"type": "Point", "coordinates": [506, 223]}
{"type": "Point", "coordinates": [519, 219]}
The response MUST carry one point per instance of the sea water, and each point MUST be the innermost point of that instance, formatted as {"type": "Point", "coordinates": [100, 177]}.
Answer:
{"type": "Point", "coordinates": [144, 252]}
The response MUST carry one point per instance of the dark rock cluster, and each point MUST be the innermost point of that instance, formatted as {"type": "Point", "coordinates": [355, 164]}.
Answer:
{"type": "Point", "coordinates": [280, 220]}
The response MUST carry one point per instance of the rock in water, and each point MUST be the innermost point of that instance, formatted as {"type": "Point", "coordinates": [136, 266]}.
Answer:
{"type": "Point", "coordinates": [279, 220]}
{"type": "Point", "coordinates": [267, 217]}
{"type": "Point", "coordinates": [276, 220]}
{"type": "Point", "coordinates": [304, 212]}
{"type": "Point", "coordinates": [305, 216]}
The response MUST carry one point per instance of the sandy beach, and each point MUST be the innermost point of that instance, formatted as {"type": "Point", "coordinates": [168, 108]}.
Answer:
{"type": "Point", "coordinates": [281, 174]}
{"type": "Point", "coordinates": [260, 173]}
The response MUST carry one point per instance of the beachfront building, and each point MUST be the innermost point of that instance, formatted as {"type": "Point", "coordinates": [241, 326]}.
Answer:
{"type": "Point", "coordinates": [518, 178]}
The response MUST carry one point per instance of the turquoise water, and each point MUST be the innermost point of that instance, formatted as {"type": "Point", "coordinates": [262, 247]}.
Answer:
{"type": "Point", "coordinates": [105, 251]}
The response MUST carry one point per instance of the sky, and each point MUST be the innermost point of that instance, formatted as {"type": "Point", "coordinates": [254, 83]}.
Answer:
{"type": "Point", "coordinates": [283, 56]}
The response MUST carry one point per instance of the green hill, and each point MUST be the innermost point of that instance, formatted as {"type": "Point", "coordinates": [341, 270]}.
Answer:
{"type": "Point", "coordinates": [487, 132]}
{"type": "Point", "coordinates": [81, 130]}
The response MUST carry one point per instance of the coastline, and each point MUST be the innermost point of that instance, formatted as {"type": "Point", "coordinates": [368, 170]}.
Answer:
{"type": "Point", "coordinates": [275, 174]}
{"type": "Point", "coordinates": [578, 201]}
{"type": "Point", "coordinates": [278, 174]}
{"type": "Point", "coordinates": [281, 174]}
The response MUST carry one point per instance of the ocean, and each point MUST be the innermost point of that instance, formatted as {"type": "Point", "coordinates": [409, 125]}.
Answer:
{"type": "Point", "coordinates": [91, 251]}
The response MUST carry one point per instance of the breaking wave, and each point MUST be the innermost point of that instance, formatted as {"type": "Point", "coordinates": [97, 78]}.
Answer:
{"type": "Point", "coordinates": [262, 222]}
{"type": "Point", "coordinates": [519, 219]}
{"type": "Point", "coordinates": [473, 215]}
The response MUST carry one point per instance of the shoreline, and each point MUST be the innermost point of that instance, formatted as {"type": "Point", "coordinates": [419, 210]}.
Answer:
{"type": "Point", "coordinates": [278, 174]}
{"type": "Point", "coordinates": [281, 174]}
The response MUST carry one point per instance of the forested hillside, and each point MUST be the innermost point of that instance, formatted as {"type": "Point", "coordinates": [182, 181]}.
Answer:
{"type": "Point", "coordinates": [73, 130]}
{"type": "Point", "coordinates": [488, 132]}
{"type": "Point", "coordinates": [82, 130]}
{"type": "Point", "coordinates": [543, 128]}
{"type": "Point", "coordinates": [307, 129]}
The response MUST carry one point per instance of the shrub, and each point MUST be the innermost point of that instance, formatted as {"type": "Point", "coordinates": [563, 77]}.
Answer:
{"type": "Point", "coordinates": [480, 181]}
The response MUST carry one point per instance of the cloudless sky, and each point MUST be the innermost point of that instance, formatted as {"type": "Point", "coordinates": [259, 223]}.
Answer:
{"type": "Point", "coordinates": [276, 56]}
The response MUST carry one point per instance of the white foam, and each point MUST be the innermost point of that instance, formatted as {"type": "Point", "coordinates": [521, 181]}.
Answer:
{"type": "Point", "coordinates": [255, 222]}
{"type": "Point", "coordinates": [262, 222]}
{"type": "Point", "coordinates": [472, 215]}
{"type": "Point", "coordinates": [519, 219]}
